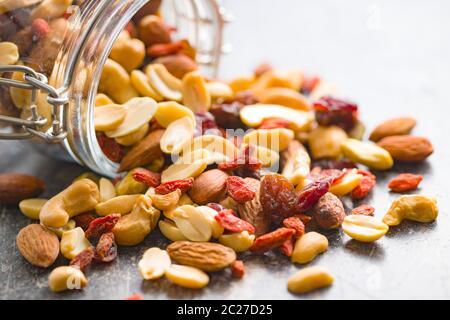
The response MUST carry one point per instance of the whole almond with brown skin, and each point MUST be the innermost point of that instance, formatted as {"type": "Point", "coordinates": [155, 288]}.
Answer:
{"type": "Point", "coordinates": [407, 148]}
{"type": "Point", "coordinates": [15, 187]}
{"type": "Point", "coordinates": [393, 127]}
{"type": "Point", "coordinates": [206, 256]}
{"type": "Point", "coordinates": [252, 211]}
{"type": "Point", "coordinates": [144, 152]}
{"type": "Point", "coordinates": [208, 187]}
{"type": "Point", "coordinates": [152, 30]}
{"type": "Point", "coordinates": [178, 64]}
{"type": "Point", "coordinates": [38, 245]}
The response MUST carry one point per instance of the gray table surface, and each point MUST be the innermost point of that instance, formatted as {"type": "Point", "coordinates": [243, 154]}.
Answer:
{"type": "Point", "coordinates": [392, 57]}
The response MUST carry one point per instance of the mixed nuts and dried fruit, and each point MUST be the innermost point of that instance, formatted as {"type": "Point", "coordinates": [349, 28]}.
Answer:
{"type": "Point", "coordinates": [257, 164]}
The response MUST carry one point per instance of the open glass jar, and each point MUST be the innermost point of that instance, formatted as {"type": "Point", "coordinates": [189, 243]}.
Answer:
{"type": "Point", "coordinates": [48, 92]}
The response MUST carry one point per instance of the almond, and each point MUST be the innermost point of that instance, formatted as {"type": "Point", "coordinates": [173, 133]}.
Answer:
{"type": "Point", "coordinates": [209, 187]}
{"type": "Point", "coordinates": [407, 148]}
{"type": "Point", "coordinates": [393, 127]}
{"type": "Point", "coordinates": [252, 211]}
{"type": "Point", "coordinates": [144, 152]}
{"type": "Point", "coordinates": [38, 245]}
{"type": "Point", "coordinates": [178, 64]}
{"type": "Point", "coordinates": [206, 256]}
{"type": "Point", "coordinates": [15, 187]}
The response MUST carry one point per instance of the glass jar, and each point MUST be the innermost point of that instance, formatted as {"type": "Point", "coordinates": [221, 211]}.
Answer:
{"type": "Point", "coordinates": [57, 115]}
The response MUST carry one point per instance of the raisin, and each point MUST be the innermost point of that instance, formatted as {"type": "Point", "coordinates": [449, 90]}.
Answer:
{"type": "Point", "coordinates": [238, 269]}
{"type": "Point", "coordinates": [239, 190]}
{"type": "Point", "coordinates": [272, 240]}
{"type": "Point", "coordinates": [106, 250]}
{"type": "Point", "coordinates": [367, 183]}
{"type": "Point", "coordinates": [334, 164]}
{"type": "Point", "coordinates": [274, 123]}
{"type": "Point", "coordinates": [405, 182]}
{"type": "Point", "coordinates": [227, 114]}
{"type": "Point", "coordinates": [230, 222]}
{"type": "Point", "coordinates": [287, 248]}
{"type": "Point", "coordinates": [312, 193]}
{"type": "Point", "coordinates": [102, 225]}
{"type": "Point", "coordinates": [331, 111]}
{"type": "Point", "coordinates": [364, 209]}
{"type": "Point", "coordinates": [167, 187]}
{"type": "Point", "coordinates": [278, 197]}
{"type": "Point", "coordinates": [83, 259]}
{"type": "Point", "coordinates": [295, 223]}
{"type": "Point", "coordinates": [112, 150]}
{"type": "Point", "coordinates": [150, 178]}
{"type": "Point", "coordinates": [83, 220]}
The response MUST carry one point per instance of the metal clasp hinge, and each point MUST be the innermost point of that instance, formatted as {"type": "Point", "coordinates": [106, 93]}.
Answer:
{"type": "Point", "coordinates": [35, 81]}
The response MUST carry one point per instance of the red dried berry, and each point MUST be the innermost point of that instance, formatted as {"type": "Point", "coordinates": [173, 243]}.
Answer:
{"type": "Point", "coordinates": [230, 222]}
{"type": "Point", "coordinates": [405, 182]}
{"type": "Point", "coordinates": [102, 225]}
{"type": "Point", "coordinates": [331, 111]}
{"type": "Point", "coordinates": [150, 178]}
{"type": "Point", "coordinates": [334, 164]}
{"type": "Point", "coordinates": [106, 250]}
{"type": "Point", "coordinates": [239, 190]}
{"type": "Point", "coordinates": [227, 114]}
{"type": "Point", "coordinates": [83, 259]}
{"type": "Point", "coordinates": [364, 209]}
{"type": "Point", "coordinates": [309, 83]}
{"type": "Point", "coordinates": [238, 269]}
{"type": "Point", "coordinates": [40, 28]}
{"type": "Point", "coordinates": [312, 193]}
{"type": "Point", "coordinates": [112, 150]}
{"type": "Point", "coordinates": [304, 218]}
{"type": "Point", "coordinates": [167, 187]}
{"type": "Point", "coordinates": [287, 248]}
{"type": "Point", "coordinates": [165, 49]}
{"type": "Point", "coordinates": [205, 123]}
{"type": "Point", "coordinates": [245, 160]}
{"type": "Point", "coordinates": [135, 296]}
{"type": "Point", "coordinates": [272, 240]}
{"type": "Point", "coordinates": [83, 220]}
{"type": "Point", "coordinates": [333, 175]}
{"type": "Point", "coordinates": [274, 123]}
{"type": "Point", "coordinates": [295, 223]}
{"type": "Point", "coordinates": [278, 197]}
{"type": "Point", "coordinates": [367, 183]}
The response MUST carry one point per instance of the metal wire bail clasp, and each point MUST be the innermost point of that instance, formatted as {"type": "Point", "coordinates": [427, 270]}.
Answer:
{"type": "Point", "coordinates": [35, 82]}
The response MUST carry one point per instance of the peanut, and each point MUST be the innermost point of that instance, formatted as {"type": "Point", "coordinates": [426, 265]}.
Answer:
{"type": "Point", "coordinates": [367, 154]}
{"type": "Point", "coordinates": [178, 133]}
{"type": "Point", "coordinates": [267, 156]}
{"type": "Point", "coordinates": [184, 167]}
{"type": "Point", "coordinates": [10, 5]}
{"type": "Point", "coordinates": [219, 149]}
{"type": "Point", "coordinates": [154, 263]}
{"type": "Point", "coordinates": [163, 82]}
{"type": "Point", "coordinates": [178, 64]}
{"type": "Point", "coordinates": [170, 230]}
{"type": "Point", "coordinates": [73, 242]}
{"type": "Point", "coordinates": [102, 99]}
{"type": "Point", "coordinates": [67, 227]}
{"type": "Point", "coordinates": [130, 53]}
{"type": "Point", "coordinates": [116, 83]}
{"type": "Point", "coordinates": [274, 139]}
{"type": "Point", "coordinates": [134, 137]}
{"type": "Point", "coordinates": [188, 277]}
{"type": "Point", "coordinates": [242, 83]}
{"type": "Point", "coordinates": [131, 229]}
{"type": "Point", "coordinates": [20, 97]}
{"type": "Point", "coordinates": [218, 90]}
{"type": "Point", "coordinates": [32, 207]}
{"type": "Point", "coordinates": [284, 97]}
{"type": "Point", "coordinates": [192, 223]}
{"type": "Point", "coordinates": [239, 242]}
{"type": "Point", "coordinates": [81, 196]}
{"type": "Point", "coordinates": [195, 94]}
{"type": "Point", "coordinates": [325, 142]}
{"type": "Point", "coordinates": [109, 117]}
{"type": "Point", "coordinates": [309, 279]}
{"type": "Point", "coordinates": [140, 82]}
{"type": "Point", "coordinates": [121, 205]}
{"type": "Point", "coordinates": [170, 111]}
{"type": "Point", "coordinates": [9, 53]}
{"type": "Point", "coordinates": [308, 247]}
{"type": "Point", "coordinates": [107, 190]}
{"type": "Point", "coordinates": [128, 185]}
{"type": "Point", "coordinates": [49, 9]}
{"type": "Point", "coordinates": [364, 228]}
{"type": "Point", "coordinates": [349, 182]}
{"type": "Point", "coordinates": [209, 214]}
{"type": "Point", "coordinates": [412, 207]}
{"type": "Point", "coordinates": [66, 277]}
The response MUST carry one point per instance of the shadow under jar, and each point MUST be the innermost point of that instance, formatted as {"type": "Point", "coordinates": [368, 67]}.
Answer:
{"type": "Point", "coordinates": [55, 89]}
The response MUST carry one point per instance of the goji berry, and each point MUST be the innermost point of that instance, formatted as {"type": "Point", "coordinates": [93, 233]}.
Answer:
{"type": "Point", "coordinates": [310, 194]}
{"type": "Point", "coordinates": [405, 182]}
{"type": "Point", "coordinates": [101, 225]}
{"type": "Point", "coordinates": [40, 28]}
{"type": "Point", "coordinates": [364, 209]}
{"type": "Point", "coordinates": [295, 223]}
{"type": "Point", "coordinates": [332, 111]}
{"type": "Point", "coordinates": [367, 183]}
{"type": "Point", "coordinates": [287, 248]}
{"type": "Point", "coordinates": [239, 190]}
{"type": "Point", "coordinates": [244, 160]}
{"type": "Point", "coordinates": [167, 187]}
{"type": "Point", "coordinates": [230, 222]}
{"type": "Point", "coordinates": [304, 218]}
{"type": "Point", "coordinates": [83, 220]}
{"type": "Point", "coordinates": [309, 83]}
{"type": "Point", "coordinates": [106, 250]}
{"type": "Point", "coordinates": [274, 123]}
{"type": "Point", "coordinates": [238, 269]}
{"type": "Point", "coordinates": [272, 240]}
{"type": "Point", "coordinates": [83, 259]}
{"type": "Point", "coordinates": [277, 197]}
{"type": "Point", "coordinates": [112, 150]}
{"type": "Point", "coordinates": [165, 49]}
{"type": "Point", "coordinates": [150, 178]}
{"type": "Point", "coordinates": [135, 296]}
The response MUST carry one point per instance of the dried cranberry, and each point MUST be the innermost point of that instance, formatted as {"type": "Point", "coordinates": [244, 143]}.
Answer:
{"type": "Point", "coordinates": [332, 111]}
{"type": "Point", "coordinates": [312, 193]}
{"type": "Point", "coordinates": [334, 164]}
{"type": "Point", "coordinates": [227, 115]}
